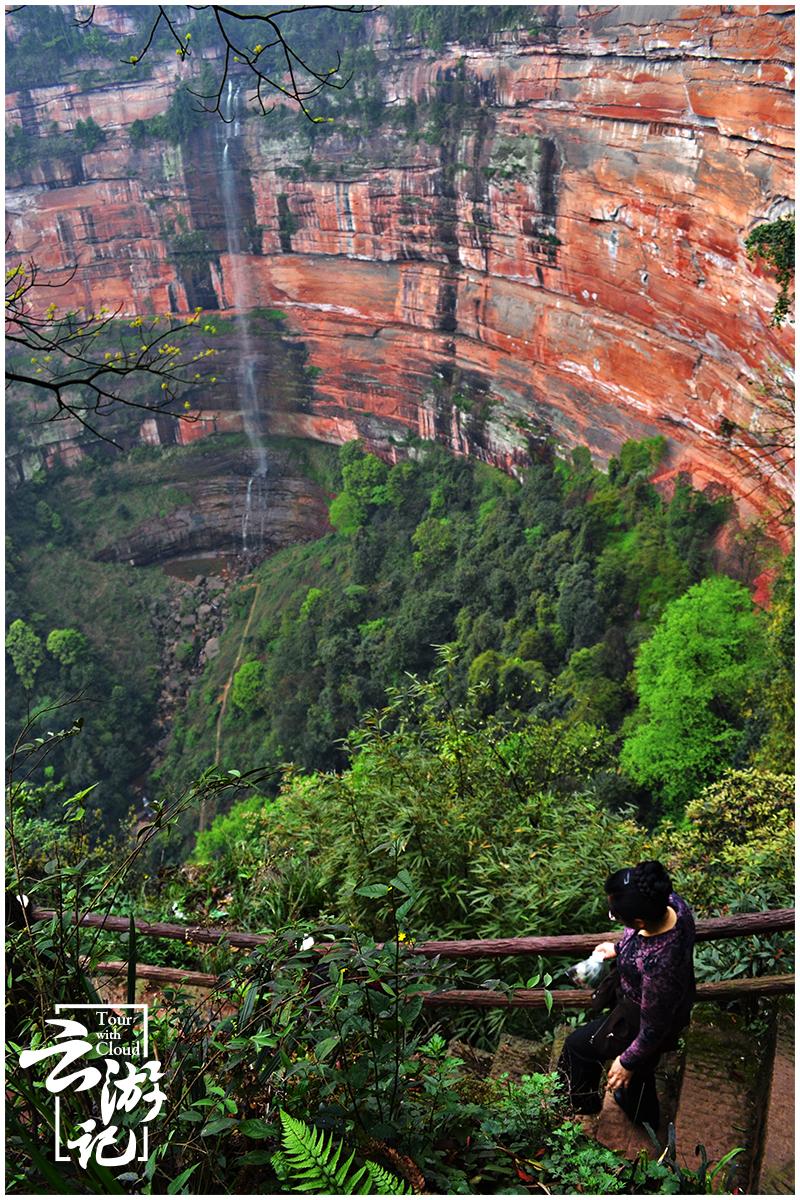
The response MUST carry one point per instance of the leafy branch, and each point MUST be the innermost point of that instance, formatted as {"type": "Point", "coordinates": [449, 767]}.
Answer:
{"type": "Point", "coordinates": [69, 365]}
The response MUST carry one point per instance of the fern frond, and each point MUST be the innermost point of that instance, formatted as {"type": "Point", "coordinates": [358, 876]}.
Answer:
{"type": "Point", "coordinates": [386, 1184]}
{"type": "Point", "coordinates": [313, 1162]}
{"type": "Point", "coordinates": [279, 1165]}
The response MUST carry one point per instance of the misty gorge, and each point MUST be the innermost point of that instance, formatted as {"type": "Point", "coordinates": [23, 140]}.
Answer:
{"type": "Point", "coordinates": [399, 461]}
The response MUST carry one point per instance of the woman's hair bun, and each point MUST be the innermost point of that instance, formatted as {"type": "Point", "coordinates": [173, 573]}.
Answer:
{"type": "Point", "coordinates": [651, 880]}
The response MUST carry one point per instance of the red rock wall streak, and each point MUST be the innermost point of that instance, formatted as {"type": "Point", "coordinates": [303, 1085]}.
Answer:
{"type": "Point", "coordinates": [597, 290]}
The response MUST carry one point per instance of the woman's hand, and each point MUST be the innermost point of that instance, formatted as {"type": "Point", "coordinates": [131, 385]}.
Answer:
{"type": "Point", "coordinates": [608, 949]}
{"type": "Point", "coordinates": [618, 1076]}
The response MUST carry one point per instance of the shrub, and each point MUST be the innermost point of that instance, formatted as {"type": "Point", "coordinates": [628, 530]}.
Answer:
{"type": "Point", "coordinates": [89, 134]}
{"type": "Point", "coordinates": [247, 691]}
{"type": "Point", "coordinates": [313, 596]}
{"type": "Point", "coordinates": [774, 242]}
{"type": "Point", "coordinates": [737, 836]}
{"type": "Point", "coordinates": [346, 513]}
{"type": "Point", "coordinates": [497, 829]}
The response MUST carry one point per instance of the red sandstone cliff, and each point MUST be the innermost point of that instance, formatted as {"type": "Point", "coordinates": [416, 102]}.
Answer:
{"type": "Point", "coordinates": [564, 258]}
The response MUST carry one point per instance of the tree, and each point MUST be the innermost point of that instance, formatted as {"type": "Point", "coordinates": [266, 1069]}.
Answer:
{"type": "Point", "coordinates": [25, 648]}
{"type": "Point", "coordinates": [585, 683]}
{"type": "Point", "coordinates": [433, 539]}
{"type": "Point", "coordinates": [774, 692]}
{"type": "Point", "coordinates": [484, 676]}
{"type": "Point", "coordinates": [346, 513]}
{"type": "Point", "coordinates": [364, 477]}
{"type": "Point", "coordinates": [249, 682]}
{"type": "Point", "coordinates": [579, 614]}
{"type": "Point", "coordinates": [67, 645]}
{"type": "Point", "coordinates": [89, 134]}
{"type": "Point", "coordinates": [692, 679]}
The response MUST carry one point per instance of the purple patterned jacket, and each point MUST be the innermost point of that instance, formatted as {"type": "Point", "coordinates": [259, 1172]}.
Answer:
{"type": "Point", "coordinates": [657, 973]}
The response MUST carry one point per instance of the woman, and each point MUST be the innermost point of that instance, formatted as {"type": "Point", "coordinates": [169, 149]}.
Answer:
{"type": "Point", "coordinates": [655, 992]}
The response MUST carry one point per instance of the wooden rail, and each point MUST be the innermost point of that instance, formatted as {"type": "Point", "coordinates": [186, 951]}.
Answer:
{"type": "Point", "coordinates": [737, 925]}
{"type": "Point", "coordinates": [730, 989]}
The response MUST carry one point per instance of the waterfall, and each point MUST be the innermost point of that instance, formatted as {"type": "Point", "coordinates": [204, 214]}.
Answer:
{"type": "Point", "coordinates": [256, 497]}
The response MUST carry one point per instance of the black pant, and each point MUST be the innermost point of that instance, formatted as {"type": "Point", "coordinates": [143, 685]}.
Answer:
{"type": "Point", "coordinates": [580, 1066]}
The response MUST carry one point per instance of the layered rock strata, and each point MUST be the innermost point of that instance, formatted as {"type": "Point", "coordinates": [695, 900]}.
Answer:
{"type": "Point", "coordinates": [225, 513]}
{"type": "Point", "coordinates": [550, 247]}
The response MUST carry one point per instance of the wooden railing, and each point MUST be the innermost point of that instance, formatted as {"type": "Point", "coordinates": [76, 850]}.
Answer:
{"type": "Point", "coordinates": [564, 945]}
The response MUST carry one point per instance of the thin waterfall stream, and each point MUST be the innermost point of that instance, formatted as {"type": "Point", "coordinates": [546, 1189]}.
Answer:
{"type": "Point", "coordinates": [255, 506]}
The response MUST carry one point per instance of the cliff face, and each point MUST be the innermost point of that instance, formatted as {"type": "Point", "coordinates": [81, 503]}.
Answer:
{"type": "Point", "coordinates": [552, 245]}
{"type": "Point", "coordinates": [227, 512]}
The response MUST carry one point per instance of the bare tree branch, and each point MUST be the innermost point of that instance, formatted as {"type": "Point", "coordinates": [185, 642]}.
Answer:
{"type": "Point", "coordinates": [301, 82]}
{"type": "Point", "coordinates": [768, 452]}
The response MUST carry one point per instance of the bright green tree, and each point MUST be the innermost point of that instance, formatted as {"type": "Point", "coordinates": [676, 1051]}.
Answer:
{"type": "Point", "coordinates": [249, 682]}
{"type": "Point", "coordinates": [25, 648]}
{"type": "Point", "coordinates": [67, 645]}
{"type": "Point", "coordinates": [365, 479]}
{"type": "Point", "coordinates": [365, 487]}
{"type": "Point", "coordinates": [346, 513]}
{"type": "Point", "coordinates": [433, 541]}
{"type": "Point", "coordinates": [773, 693]}
{"type": "Point", "coordinates": [692, 679]}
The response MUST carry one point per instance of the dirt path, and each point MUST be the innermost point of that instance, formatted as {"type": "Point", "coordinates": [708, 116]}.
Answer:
{"type": "Point", "coordinates": [203, 821]}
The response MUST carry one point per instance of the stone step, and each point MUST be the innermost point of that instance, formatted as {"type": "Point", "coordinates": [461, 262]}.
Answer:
{"type": "Point", "coordinates": [610, 1126]}
{"type": "Point", "coordinates": [516, 1056]}
{"type": "Point", "coordinates": [476, 1062]}
{"type": "Point", "coordinates": [561, 1034]}
{"type": "Point", "coordinates": [618, 1133]}
{"type": "Point", "coordinates": [714, 1092]}
{"type": "Point", "coordinates": [559, 1037]}
{"type": "Point", "coordinates": [716, 1105]}
{"type": "Point", "coordinates": [615, 1131]}
{"type": "Point", "coordinates": [776, 1174]}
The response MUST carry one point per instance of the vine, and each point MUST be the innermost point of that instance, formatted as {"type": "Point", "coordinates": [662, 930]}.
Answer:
{"type": "Point", "coordinates": [774, 242]}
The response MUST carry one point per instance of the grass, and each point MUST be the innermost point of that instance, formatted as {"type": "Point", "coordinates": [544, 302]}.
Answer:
{"type": "Point", "coordinates": [103, 600]}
